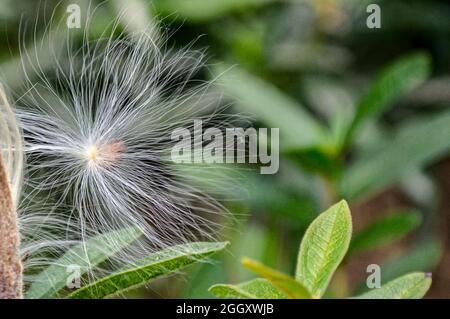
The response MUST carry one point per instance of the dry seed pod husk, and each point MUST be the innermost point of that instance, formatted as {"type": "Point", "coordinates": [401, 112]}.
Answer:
{"type": "Point", "coordinates": [10, 263]}
{"type": "Point", "coordinates": [11, 163]}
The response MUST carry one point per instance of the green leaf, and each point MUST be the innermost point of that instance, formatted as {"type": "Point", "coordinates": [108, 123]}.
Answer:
{"type": "Point", "coordinates": [323, 247]}
{"type": "Point", "coordinates": [155, 265]}
{"type": "Point", "coordinates": [94, 251]}
{"type": "Point", "coordinates": [385, 230]}
{"type": "Point", "coordinates": [411, 286]}
{"type": "Point", "coordinates": [393, 82]}
{"type": "Point", "coordinates": [423, 256]}
{"type": "Point", "coordinates": [415, 145]}
{"type": "Point", "coordinates": [253, 289]}
{"type": "Point", "coordinates": [287, 284]}
{"type": "Point", "coordinates": [298, 128]}
{"type": "Point", "coordinates": [203, 10]}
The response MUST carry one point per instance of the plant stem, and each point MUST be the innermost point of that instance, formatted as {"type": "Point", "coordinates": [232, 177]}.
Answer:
{"type": "Point", "coordinates": [10, 262]}
{"type": "Point", "coordinates": [330, 191]}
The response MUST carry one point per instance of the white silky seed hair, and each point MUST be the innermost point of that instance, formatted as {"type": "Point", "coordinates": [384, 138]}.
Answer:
{"type": "Point", "coordinates": [97, 130]}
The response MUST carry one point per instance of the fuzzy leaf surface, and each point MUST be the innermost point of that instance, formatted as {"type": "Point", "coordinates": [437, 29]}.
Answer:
{"type": "Point", "coordinates": [155, 265]}
{"type": "Point", "coordinates": [254, 289]}
{"type": "Point", "coordinates": [84, 257]}
{"type": "Point", "coordinates": [323, 247]}
{"type": "Point", "coordinates": [411, 286]}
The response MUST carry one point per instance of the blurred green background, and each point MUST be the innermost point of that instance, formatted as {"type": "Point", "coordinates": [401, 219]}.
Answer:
{"type": "Point", "coordinates": [363, 115]}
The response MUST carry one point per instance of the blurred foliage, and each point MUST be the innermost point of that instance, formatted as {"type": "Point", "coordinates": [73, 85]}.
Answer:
{"type": "Point", "coordinates": [360, 111]}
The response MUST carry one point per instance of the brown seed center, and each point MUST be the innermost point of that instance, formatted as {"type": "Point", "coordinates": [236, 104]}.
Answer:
{"type": "Point", "coordinates": [108, 153]}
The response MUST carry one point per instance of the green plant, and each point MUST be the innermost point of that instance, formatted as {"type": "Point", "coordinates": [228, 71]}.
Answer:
{"type": "Point", "coordinates": [51, 282]}
{"type": "Point", "coordinates": [322, 250]}
{"type": "Point", "coordinates": [305, 67]}
{"type": "Point", "coordinates": [354, 150]}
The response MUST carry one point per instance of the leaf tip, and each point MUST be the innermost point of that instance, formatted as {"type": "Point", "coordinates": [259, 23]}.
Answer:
{"type": "Point", "coordinates": [213, 288]}
{"type": "Point", "coordinates": [246, 261]}
{"type": "Point", "coordinates": [344, 207]}
{"type": "Point", "coordinates": [343, 203]}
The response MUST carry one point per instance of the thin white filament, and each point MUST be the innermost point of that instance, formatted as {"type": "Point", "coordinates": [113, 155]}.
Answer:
{"type": "Point", "coordinates": [97, 130]}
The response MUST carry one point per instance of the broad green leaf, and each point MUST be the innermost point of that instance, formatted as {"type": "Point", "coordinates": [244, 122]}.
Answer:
{"type": "Point", "coordinates": [423, 256]}
{"type": "Point", "coordinates": [253, 289]}
{"type": "Point", "coordinates": [84, 257]}
{"type": "Point", "coordinates": [411, 286]}
{"type": "Point", "coordinates": [333, 101]}
{"type": "Point", "coordinates": [393, 82]}
{"type": "Point", "coordinates": [385, 230]}
{"type": "Point", "coordinates": [287, 284]}
{"type": "Point", "coordinates": [415, 145]}
{"type": "Point", "coordinates": [264, 102]}
{"type": "Point", "coordinates": [203, 10]}
{"type": "Point", "coordinates": [155, 265]}
{"type": "Point", "coordinates": [323, 247]}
